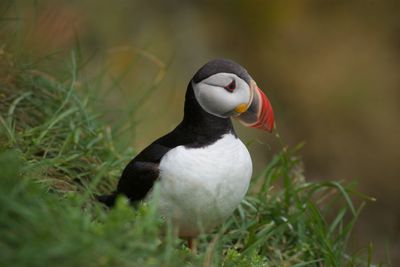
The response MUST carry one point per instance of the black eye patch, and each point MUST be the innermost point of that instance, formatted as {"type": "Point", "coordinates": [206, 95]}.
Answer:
{"type": "Point", "coordinates": [231, 86]}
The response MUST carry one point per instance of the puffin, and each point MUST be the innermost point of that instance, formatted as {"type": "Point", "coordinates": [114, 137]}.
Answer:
{"type": "Point", "coordinates": [202, 168]}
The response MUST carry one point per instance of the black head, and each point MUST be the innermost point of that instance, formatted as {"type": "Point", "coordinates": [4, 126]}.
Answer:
{"type": "Point", "coordinates": [222, 89]}
{"type": "Point", "coordinates": [221, 65]}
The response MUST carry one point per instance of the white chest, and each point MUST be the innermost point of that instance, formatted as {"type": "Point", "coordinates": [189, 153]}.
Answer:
{"type": "Point", "coordinates": [200, 187]}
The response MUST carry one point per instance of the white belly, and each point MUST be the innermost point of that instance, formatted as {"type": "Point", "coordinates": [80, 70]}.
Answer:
{"type": "Point", "coordinates": [200, 187]}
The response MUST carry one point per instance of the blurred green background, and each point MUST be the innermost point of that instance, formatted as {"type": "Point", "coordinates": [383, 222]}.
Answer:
{"type": "Point", "coordinates": [330, 68]}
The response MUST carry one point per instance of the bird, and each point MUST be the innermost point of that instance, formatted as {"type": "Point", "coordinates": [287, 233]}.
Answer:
{"type": "Point", "coordinates": [202, 168]}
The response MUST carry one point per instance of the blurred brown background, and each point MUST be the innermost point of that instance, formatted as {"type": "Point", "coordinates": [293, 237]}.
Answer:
{"type": "Point", "coordinates": [330, 69]}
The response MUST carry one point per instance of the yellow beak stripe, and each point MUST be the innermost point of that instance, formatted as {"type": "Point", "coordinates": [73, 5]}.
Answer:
{"type": "Point", "coordinates": [241, 108]}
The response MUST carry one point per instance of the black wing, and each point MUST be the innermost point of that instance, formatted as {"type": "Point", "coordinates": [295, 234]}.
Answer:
{"type": "Point", "coordinates": [139, 175]}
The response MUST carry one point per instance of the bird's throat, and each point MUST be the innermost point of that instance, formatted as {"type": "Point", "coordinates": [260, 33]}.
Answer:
{"type": "Point", "coordinates": [202, 122]}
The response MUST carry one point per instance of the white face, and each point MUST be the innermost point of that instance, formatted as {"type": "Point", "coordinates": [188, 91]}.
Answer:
{"type": "Point", "coordinates": [221, 93]}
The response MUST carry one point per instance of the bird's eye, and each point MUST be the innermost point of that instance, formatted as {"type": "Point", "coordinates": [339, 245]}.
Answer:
{"type": "Point", "coordinates": [231, 86]}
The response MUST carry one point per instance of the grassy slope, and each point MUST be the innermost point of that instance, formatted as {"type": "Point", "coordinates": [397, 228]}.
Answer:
{"type": "Point", "coordinates": [55, 154]}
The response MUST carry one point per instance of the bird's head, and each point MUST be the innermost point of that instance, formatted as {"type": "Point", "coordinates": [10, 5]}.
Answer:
{"type": "Point", "coordinates": [225, 89]}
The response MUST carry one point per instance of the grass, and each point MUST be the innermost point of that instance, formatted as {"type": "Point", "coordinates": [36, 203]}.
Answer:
{"type": "Point", "coordinates": [56, 154]}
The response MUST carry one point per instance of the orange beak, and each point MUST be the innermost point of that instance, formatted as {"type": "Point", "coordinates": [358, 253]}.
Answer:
{"type": "Point", "coordinates": [259, 113]}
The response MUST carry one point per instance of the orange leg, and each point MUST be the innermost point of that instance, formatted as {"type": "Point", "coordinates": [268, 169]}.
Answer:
{"type": "Point", "coordinates": [192, 244]}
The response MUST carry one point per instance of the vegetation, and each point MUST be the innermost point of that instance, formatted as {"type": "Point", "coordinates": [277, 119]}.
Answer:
{"type": "Point", "coordinates": [56, 154]}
